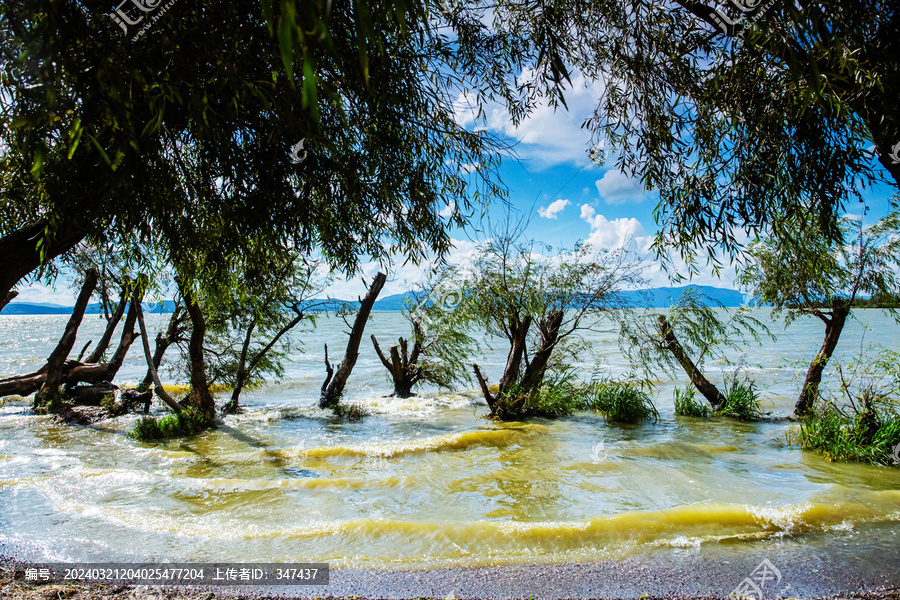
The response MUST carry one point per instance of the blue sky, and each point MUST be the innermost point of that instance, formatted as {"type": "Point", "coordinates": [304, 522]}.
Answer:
{"type": "Point", "coordinates": [567, 197]}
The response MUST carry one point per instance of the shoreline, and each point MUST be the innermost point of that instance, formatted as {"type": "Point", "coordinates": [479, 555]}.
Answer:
{"type": "Point", "coordinates": [665, 576]}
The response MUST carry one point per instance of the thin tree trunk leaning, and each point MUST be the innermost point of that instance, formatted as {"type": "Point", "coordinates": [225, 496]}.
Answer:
{"type": "Point", "coordinates": [49, 392]}
{"type": "Point", "coordinates": [810, 390]}
{"type": "Point", "coordinates": [244, 370]}
{"type": "Point", "coordinates": [173, 333]}
{"type": "Point", "coordinates": [703, 385]}
{"type": "Point", "coordinates": [200, 395]}
{"type": "Point", "coordinates": [111, 325]}
{"type": "Point", "coordinates": [20, 255]}
{"type": "Point", "coordinates": [403, 366]}
{"type": "Point", "coordinates": [157, 384]}
{"type": "Point", "coordinates": [128, 336]}
{"type": "Point", "coordinates": [7, 298]}
{"type": "Point", "coordinates": [337, 379]}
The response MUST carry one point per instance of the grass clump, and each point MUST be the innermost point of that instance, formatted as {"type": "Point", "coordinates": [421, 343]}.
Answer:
{"type": "Point", "coordinates": [111, 407]}
{"type": "Point", "coordinates": [687, 405]}
{"type": "Point", "coordinates": [741, 400]}
{"type": "Point", "coordinates": [862, 436]}
{"type": "Point", "coordinates": [351, 412]}
{"type": "Point", "coordinates": [558, 397]}
{"type": "Point", "coordinates": [190, 421]}
{"type": "Point", "coordinates": [621, 402]}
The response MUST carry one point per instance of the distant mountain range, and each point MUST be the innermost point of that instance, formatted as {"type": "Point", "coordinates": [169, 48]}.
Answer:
{"type": "Point", "coordinates": [662, 297]}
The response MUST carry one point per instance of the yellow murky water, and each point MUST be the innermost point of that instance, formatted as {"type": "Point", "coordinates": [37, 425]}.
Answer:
{"type": "Point", "coordinates": [426, 481]}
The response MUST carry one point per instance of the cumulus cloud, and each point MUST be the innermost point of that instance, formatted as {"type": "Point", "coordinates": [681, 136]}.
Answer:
{"type": "Point", "coordinates": [549, 135]}
{"type": "Point", "coordinates": [616, 233]}
{"type": "Point", "coordinates": [615, 187]}
{"type": "Point", "coordinates": [448, 210]}
{"type": "Point", "coordinates": [555, 208]}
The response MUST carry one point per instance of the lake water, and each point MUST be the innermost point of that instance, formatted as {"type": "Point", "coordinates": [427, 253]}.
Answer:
{"type": "Point", "coordinates": [428, 481]}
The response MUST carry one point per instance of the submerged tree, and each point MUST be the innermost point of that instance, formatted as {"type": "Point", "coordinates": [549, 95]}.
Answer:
{"type": "Point", "coordinates": [248, 329]}
{"type": "Point", "coordinates": [441, 348]}
{"type": "Point", "coordinates": [695, 329]}
{"type": "Point", "coordinates": [808, 275]}
{"type": "Point", "coordinates": [538, 305]}
{"type": "Point", "coordinates": [336, 378]}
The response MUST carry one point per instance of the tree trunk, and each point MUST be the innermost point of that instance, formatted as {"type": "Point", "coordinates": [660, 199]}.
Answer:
{"type": "Point", "coordinates": [337, 380]}
{"type": "Point", "coordinates": [7, 298]}
{"type": "Point", "coordinates": [518, 343]}
{"type": "Point", "coordinates": [103, 344]}
{"type": "Point", "coordinates": [20, 255]}
{"type": "Point", "coordinates": [810, 390]}
{"type": "Point", "coordinates": [703, 385]}
{"type": "Point", "coordinates": [128, 336]}
{"type": "Point", "coordinates": [72, 372]}
{"type": "Point", "coordinates": [549, 331]}
{"type": "Point", "coordinates": [200, 394]}
{"type": "Point", "coordinates": [49, 391]}
{"type": "Point", "coordinates": [163, 342]}
{"type": "Point", "coordinates": [241, 375]}
{"type": "Point", "coordinates": [157, 384]}
{"type": "Point", "coordinates": [403, 366]}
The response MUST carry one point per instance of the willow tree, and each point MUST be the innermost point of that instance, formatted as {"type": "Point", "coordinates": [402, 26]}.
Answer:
{"type": "Point", "coordinates": [537, 303]}
{"type": "Point", "coordinates": [439, 348]}
{"type": "Point", "coordinates": [808, 275]}
{"type": "Point", "coordinates": [737, 113]}
{"type": "Point", "coordinates": [184, 136]}
{"type": "Point", "coordinates": [695, 330]}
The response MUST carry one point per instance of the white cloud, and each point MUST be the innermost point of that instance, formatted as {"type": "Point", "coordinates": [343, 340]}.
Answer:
{"type": "Point", "coordinates": [448, 210]}
{"type": "Point", "coordinates": [617, 233]}
{"type": "Point", "coordinates": [549, 136]}
{"type": "Point", "coordinates": [555, 208]}
{"type": "Point", "coordinates": [615, 187]}
{"type": "Point", "coordinates": [41, 294]}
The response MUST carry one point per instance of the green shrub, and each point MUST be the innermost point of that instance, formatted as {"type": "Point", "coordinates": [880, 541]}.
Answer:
{"type": "Point", "coordinates": [687, 405]}
{"type": "Point", "coordinates": [741, 400]}
{"type": "Point", "coordinates": [111, 407]}
{"type": "Point", "coordinates": [859, 436]}
{"type": "Point", "coordinates": [190, 421]}
{"type": "Point", "coordinates": [621, 402]}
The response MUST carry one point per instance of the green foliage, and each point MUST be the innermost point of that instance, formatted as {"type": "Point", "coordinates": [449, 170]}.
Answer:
{"type": "Point", "coordinates": [111, 407]}
{"type": "Point", "coordinates": [190, 421]}
{"type": "Point", "coordinates": [687, 405]}
{"type": "Point", "coordinates": [741, 400]}
{"type": "Point", "coordinates": [621, 401]}
{"type": "Point", "coordinates": [197, 162]}
{"type": "Point", "coordinates": [858, 420]}
{"type": "Point", "coordinates": [851, 437]}
{"type": "Point", "coordinates": [703, 327]}
{"type": "Point", "coordinates": [809, 275]}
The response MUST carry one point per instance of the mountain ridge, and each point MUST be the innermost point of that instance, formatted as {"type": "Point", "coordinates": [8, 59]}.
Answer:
{"type": "Point", "coordinates": [660, 297]}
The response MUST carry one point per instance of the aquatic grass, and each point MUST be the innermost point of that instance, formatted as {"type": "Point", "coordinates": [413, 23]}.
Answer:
{"type": "Point", "coordinates": [741, 400]}
{"type": "Point", "coordinates": [687, 405]}
{"type": "Point", "coordinates": [351, 412]}
{"type": "Point", "coordinates": [864, 436]}
{"type": "Point", "coordinates": [559, 397]}
{"type": "Point", "coordinates": [621, 402]}
{"type": "Point", "coordinates": [190, 421]}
